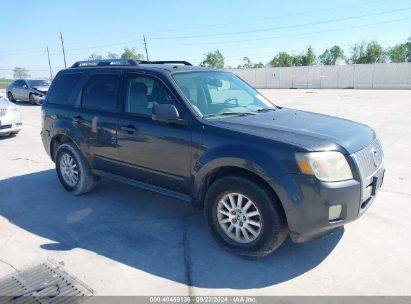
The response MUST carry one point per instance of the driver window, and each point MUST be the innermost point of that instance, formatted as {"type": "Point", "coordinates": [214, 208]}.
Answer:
{"type": "Point", "coordinates": [141, 93]}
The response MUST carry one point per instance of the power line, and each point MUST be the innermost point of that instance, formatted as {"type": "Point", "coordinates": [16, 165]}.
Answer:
{"type": "Point", "coordinates": [292, 35]}
{"type": "Point", "coordinates": [286, 26]}
{"type": "Point", "coordinates": [275, 17]}
{"type": "Point", "coordinates": [235, 33]}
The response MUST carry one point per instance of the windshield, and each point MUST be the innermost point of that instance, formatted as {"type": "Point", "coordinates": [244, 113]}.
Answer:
{"type": "Point", "coordinates": [214, 94]}
{"type": "Point", "coordinates": [38, 83]}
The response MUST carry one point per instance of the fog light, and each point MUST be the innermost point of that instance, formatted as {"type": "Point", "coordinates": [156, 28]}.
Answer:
{"type": "Point", "coordinates": [334, 212]}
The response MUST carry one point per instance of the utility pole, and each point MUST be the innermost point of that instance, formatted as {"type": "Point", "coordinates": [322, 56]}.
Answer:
{"type": "Point", "coordinates": [145, 46]}
{"type": "Point", "coordinates": [64, 53]}
{"type": "Point", "coordinates": [51, 72]}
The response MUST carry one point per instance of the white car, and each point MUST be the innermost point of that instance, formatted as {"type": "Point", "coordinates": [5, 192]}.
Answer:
{"type": "Point", "coordinates": [10, 118]}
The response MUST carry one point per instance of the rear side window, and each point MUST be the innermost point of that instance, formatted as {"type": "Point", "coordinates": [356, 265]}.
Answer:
{"type": "Point", "coordinates": [62, 87]}
{"type": "Point", "coordinates": [100, 92]}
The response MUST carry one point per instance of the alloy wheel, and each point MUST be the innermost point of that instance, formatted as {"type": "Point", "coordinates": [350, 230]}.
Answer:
{"type": "Point", "coordinates": [69, 169]}
{"type": "Point", "coordinates": [239, 218]}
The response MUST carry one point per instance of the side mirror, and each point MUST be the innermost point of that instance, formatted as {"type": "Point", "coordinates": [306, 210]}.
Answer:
{"type": "Point", "coordinates": [166, 113]}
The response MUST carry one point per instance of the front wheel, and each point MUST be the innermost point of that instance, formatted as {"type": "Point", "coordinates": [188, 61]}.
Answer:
{"type": "Point", "coordinates": [31, 99]}
{"type": "Point", "coordinates": [73, 170]}
{"type": "Point", "coordinates": [10, 97]}
{"type": "Point", "coordinates": [244, 217]}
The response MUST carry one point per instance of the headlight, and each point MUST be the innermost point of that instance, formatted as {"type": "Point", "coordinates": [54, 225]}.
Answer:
{"type": "Point", "coordinates": [330, 166]}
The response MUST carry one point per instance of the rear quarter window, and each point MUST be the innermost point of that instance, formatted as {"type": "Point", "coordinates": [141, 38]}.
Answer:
{"type": "Point", "coordinates": [100, 92]}
{"type": "Point", "coordinates": [62, 87]}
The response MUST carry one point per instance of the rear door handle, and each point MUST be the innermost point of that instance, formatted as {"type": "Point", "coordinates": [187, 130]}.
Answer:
{"type": "Point", "coordinates": [130, 129]}
{"type": "Point", "coordinates": [78, 119]}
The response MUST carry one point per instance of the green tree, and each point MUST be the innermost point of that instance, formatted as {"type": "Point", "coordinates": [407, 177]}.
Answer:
{"type": "Point", "coordinates": [258, 65]}
{"type": "Point", "coordinates": [332, 55]}
{"type": "Point", "coordinates": [213, 60]}
{"type": "Point", "coordinates": [95, 57]}
{"type": "Point", "coordinates": [309, 58]}
{"type": "Point", "coordinates": [400, 52]}
{"type": "Point", "coordinates": [20, 73]}
{"type": "Point", "coordinates": [282, 59]}
{"type": "Point", "coordinates": [111, 55]}
{"type": "Point", "coordinates": [362, 52]}
{"type": "Point", "coordinates": [131, 53]}
{"type": "Point", "coordinates": [249, 65]}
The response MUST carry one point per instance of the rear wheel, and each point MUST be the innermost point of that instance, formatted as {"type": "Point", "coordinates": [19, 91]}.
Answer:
{"type": "Point", "coordinates": [245, 218]}
{"type": "Point", "coordinates": [73, 170]}
{"type": "Point", "coordinates": [10, 97]}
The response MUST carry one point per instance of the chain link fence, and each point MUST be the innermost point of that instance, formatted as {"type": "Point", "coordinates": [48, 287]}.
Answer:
{"type": "Point", "coordinates": [355, 76]}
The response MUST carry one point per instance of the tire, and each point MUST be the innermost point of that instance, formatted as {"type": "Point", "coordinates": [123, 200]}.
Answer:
{"type": "Point", "coordinates": [10, 97]}
{"type": "Point", "coordinates": [272, 231]}
{"type": "Point", "coordinates": [31, 99]}
{"type": "Point", "coordinates": [85, 181]}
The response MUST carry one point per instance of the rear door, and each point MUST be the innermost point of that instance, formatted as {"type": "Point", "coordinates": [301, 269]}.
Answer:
{"type": "Point", "coordinates": [150, 151]}
{"type": "Point", "coordinates": [96, 118]}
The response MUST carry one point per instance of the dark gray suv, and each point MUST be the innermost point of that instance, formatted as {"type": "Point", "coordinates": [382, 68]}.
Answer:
{"type": "Point", "coordinates": [204, 136]}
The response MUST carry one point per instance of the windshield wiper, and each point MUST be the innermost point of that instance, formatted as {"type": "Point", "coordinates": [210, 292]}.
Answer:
{"type": "Point", "coordinates": [265, 110]}
{"type": "Point", "coordinates": [237, 113]}
{"type": "Point", "coordinates": [229, 114]}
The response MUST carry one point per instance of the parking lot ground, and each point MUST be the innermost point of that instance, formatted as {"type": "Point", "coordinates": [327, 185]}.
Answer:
{"type": "Point", "coordinates": [120, 240]}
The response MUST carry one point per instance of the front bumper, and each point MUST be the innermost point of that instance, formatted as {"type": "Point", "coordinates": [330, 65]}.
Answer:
{"type": "Point", "coordinates": [307, 209]}
{"type": "Point", "coordinates": [39, 99]}
{"type": "Point", "coordinates": [10, 123]}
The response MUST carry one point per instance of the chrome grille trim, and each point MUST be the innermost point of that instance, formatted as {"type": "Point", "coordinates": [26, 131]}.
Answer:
{"type": "Point", "coordinates": [366, 167]}
{"type": "Point", "coordinates": [365, 161]}
{"type": "Point", "coordinates": [3, 112]}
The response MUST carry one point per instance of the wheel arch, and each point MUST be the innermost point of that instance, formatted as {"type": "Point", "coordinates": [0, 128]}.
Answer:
{"type": "Point", "coordinates": [259, 167]}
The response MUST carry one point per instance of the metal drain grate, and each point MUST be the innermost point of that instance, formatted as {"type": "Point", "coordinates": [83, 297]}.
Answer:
{"type": "Point", "coordinates": [42, 284]}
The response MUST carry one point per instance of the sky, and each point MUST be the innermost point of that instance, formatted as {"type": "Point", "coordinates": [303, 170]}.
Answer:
{"type": "Point", "coordinates": [187, 30]}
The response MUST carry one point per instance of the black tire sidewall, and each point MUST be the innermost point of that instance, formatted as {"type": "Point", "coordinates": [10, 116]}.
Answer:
{"type": "Point", "coordinates": [60, 152]}
{"type": "Point", "coordinates": [31, 99]}
{"type": "Point", "coordinates": [10, 96]}
{"type": "Point", "coordinates": [274, 228]}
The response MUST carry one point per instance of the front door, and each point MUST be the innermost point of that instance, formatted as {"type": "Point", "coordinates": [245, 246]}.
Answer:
{"type": "Point", "coordinates": [150, 151]}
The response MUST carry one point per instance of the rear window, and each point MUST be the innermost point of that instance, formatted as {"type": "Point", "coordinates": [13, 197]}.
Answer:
{"type": "Point", "coordinates": [62, 87]}
{"type": "Point", "coordinates": [100, 93]}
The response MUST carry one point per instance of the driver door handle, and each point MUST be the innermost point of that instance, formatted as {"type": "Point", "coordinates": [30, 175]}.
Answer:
{"type": "Point", "coordinates": [130, 129]}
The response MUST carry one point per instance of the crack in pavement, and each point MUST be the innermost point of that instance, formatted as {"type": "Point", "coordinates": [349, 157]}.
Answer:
{"type": "Point", "coordinates": [187, 257]}
{"type": "Point", "coordinates": [396, 192]}
{"type": "Point", "coordinates": [7, 263]}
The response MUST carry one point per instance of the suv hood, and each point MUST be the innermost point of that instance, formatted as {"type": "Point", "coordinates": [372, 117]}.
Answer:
{"type": "Point", "coordinates": [311, 130]}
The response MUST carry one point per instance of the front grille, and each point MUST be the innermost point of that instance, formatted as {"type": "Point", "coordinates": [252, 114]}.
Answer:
{"type": "Point", "coordinates": [365, 159]}
{"type": "Point", "coordinates": [3, 112]}
{"type": "Point", "coordinates": [5, 127]}
{"type": "Point", "coordinates": [368, 167]}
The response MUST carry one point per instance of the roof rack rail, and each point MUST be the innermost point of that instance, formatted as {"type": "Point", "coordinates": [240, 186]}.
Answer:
{"type": "Point", "coordinates": [170, 62]}
{"type": "Point", "coordinates": [106, 62]}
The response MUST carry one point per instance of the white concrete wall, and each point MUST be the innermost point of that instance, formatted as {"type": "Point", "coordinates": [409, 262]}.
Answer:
{"type": "Point", "coordinates": [356, 76]}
